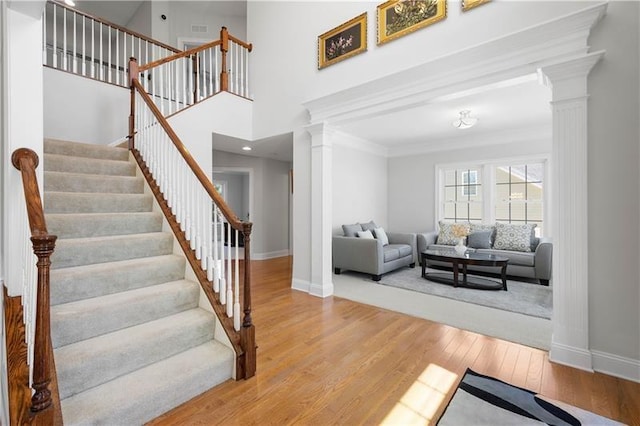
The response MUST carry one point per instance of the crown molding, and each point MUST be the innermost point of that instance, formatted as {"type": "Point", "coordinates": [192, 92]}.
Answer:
{"type": "Point", "coordinates": [519, 53]}
{"type": "Point", "coordinates": [349, 141]}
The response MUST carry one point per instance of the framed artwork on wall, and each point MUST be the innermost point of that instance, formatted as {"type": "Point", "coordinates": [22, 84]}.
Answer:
{"type": "Point", "coordinates": [397, 18]}
{"type": "Point", "coordinates": [470, 4]}
{"type": "Point", "coordinates": [342, 42]}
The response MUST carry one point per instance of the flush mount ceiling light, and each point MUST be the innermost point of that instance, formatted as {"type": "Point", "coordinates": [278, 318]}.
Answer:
{"type": "Point", "coordinates": [465, 121]}
{"type": "Point", "coordinates": [70, 3]}
{"type": "Point", "coordinates": [246, 148]}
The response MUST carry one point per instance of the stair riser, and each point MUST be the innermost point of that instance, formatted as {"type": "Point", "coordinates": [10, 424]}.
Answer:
{"type": "Point", "coordinates": [82, 320]}
{"type": "Point", "coordinates": [59, 163]}
{"type": "Point", "coordinates": [71, 182]}
{"type": "Point", "coordinates": [93, 225]}
{"type": "Point", "coordinates": [85, 282]}
{"type": "Point", "coordinates": [77, 252]}
{"type": "Point", "coordinates": [52, 146]}
{"type": "Point", "coordinates": [77, 202]}
{"type": "Point", "coordinates": [96, 361]}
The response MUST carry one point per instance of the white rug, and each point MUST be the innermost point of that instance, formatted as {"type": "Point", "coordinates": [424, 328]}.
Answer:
{"type": "Point", "coordinates": [521, 297]}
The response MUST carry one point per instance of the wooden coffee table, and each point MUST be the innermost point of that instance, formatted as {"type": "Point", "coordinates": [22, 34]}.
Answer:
{"type": "Point", "coordinates": [458, 261]}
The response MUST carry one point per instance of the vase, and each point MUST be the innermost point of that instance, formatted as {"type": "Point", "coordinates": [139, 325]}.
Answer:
{"type": "Point", "coordinates": [460, 248]}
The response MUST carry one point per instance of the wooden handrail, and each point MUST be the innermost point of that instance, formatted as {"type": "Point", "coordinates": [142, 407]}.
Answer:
{"type": "Point", "coordinates": [26, 161]}
{"type": "Point", "coordinates": [179, 55]}
{"type": "Point", "coordinates": [244, 44]}
{"type": "Point", "coordinates": [116, 26]}
{"type": "Point", "coordinates": [197, 171]}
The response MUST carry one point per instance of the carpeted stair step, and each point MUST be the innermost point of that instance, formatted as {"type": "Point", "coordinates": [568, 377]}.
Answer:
{"type": "Point", "coordinates": [144, 394]}
{"type": "Point", "coordinates": [85, 282]}
{"type": "Point", "coordinates": [81, 202]}
{"type": "Point", "coordinates": [75, 149]}
{"type": "Point", "coordinates": [95, 166]}
{"type": "Point", "coordinates": [86, 251]}
{"type": "Point", "coordinates": [95, 361]}
{"type": "Point", "coordinates": [80, 182]}
{"type": "Point", "coordinates": [103, 224]}
{"type": "Point", "coordinates": [83, 319]}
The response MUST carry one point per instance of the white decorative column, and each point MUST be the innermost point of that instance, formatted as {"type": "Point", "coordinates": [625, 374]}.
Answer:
{"type": "Point", "coordinates": [321, 210]}
{"type": "Point", "coordinates": [568, 81]}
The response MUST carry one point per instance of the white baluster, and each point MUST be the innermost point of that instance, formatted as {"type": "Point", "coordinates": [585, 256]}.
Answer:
{"type": "Point", "coordinates": [44, 36]}
{"type": "Point", "coordinates": [118, 58]}
{"type": "Point", "coordinates": [223, 280]}
{"type": "Point", "coordinates": [64, 39]}
{"type": "Point", "coordinates": [217, 71]}
{"type": "Point", "coordinates": [93, 50]}
{"type": "Point", "coordinates": [229, 282]}
{"type": "Point", "coordinates": [74, 65]}
{"type": "Point", "coordinates": [209, 221]}
{"type": "Point", "coordinates": [236, 305]}
{"type": "Point", "coordinates": [54, 24]}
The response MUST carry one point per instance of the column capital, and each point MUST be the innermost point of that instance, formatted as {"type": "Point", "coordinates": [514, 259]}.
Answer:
{"type": "Point", "coordinates": [569, 77]}
{"type": "Point", "coordinates": [320, 134]}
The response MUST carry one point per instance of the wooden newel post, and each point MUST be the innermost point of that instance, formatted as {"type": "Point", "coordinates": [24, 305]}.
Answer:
{"type": "Point", "coordinates": [224, 48]}
{"type": "Point", "coordinates": [43, 247]}
{"type": "Point", "coordinates": [133, 75]}
{"type": "Point", "coordinates": [247, 331]}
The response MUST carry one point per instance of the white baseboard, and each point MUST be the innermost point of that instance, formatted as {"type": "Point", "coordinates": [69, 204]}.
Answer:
{"type": "Point", "coordinates": [300, 285]}
{"type": "Point", "coordinates": [321, 290]}
{"type": "Point", "coordinates": [614, 365]}
{"type": "Point", "coordinates": [270, 254]}
{"type": "Point", "coordinates": [573, 357]}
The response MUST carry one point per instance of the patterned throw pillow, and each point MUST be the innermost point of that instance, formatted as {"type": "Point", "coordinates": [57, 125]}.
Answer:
{"type": "Point", "coordinates": [446, 236]}
{"type": "Point", "coordinates": [514, 237]}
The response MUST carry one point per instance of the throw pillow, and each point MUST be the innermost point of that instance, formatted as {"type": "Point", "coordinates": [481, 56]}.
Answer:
{"type": "Point", "coordinates": [446, 236]}
{"type": "Point", "coordinates": [351, 230]}
{"type": "Point", "coordinates": [481, 227]}
{"type": "Point", "coordinates": [381, 235]}
{"type": "Point", "coordinates": [514, 237]}
{"type": "Point", "coordinates": [369, 226]}
{"type": "Point", "coordinates": [365, 234]}
{"type": "Point", "coordinates": [480, 240]}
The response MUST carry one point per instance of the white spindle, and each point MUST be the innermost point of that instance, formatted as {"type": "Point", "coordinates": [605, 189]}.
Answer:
{"type": "Point", "coordinates": [223, 278]}
{"type": "Point", "coordinates": [100, 63]}
{"type": "Point", "coordinates": [229, 281]}
{"type": "Point", "coordinates": [109, 71]}
{"type": "Point", "coordinates": [93, 50]}
{"type": "Point", "coordinates": [64, 39]}
{"type": "Point", "coordinates": [75, 42]}
{"type": "Point", "coordinates": [84, 46]}
{"type": "Point", "coordinates": [44, 36]}
{"type": "Point", "coordinates": [54, 24]}
{"type": "Point", "coordinates": [216, 270]}
{"type": "Point", "coordinates": [118, 57]}
{"type": "Point", "coordinates": [236, 287]}
{"type": "Point", "coordinates": [217, 71]}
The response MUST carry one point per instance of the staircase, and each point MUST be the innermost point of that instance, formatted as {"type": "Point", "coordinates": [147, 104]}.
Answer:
{"type": "Point", "coordinates": [130, 341]}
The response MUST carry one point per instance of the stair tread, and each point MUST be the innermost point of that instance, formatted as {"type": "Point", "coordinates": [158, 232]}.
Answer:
{"type": "Point", "coordinates": [87, 165]}
{"type": "Point", "coordinates": [94, 280]}
{"type": "Point", "coordinates": [84, 225]}
{"type": "Point", "coordinates": [83, 319]}
{"type": "Point", "coordinates": [91, 362]}
{"type": "Point", "coordinates": [78, 149]}
{"type": "Point", "coordinates": [94, 202]}
{"type": "Point", "coordinates": [85, 182]}
{"type": "Point", "coordinates": [150, 391]}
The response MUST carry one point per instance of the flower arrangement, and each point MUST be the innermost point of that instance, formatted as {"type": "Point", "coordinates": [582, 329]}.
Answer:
{"type": "Point", "coordinates": [460, 230]}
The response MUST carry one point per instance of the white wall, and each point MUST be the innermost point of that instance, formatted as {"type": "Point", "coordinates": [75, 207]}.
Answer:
{"type": "Point", "coordinates": [614, 179]}
{"type": "Point", "coordinates": [84, 110]}
{"type": "Point", "coordinates": [140, 22]}
{"type": "Point", "coordinates": [359, 187]}
{"type": "Point", "coordinates": [412, 188]}
{"type": "Point", "coordinates": [235, 194]}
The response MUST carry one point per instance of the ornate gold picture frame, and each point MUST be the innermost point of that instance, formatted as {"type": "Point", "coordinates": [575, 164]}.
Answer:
{"type": "Point", "coordinates": [342, 42]}
{"type": "Point", "coordinates": [397, 18]}
{"type": "Point", "coordinates": [470, 4]}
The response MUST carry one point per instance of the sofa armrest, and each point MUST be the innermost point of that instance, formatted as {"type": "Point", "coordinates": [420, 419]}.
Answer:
{"type": "Point", "coordinates": [425, 239]}
{"type": "Point", "coordinates": [404, 238]}
{"type": "Point", "coordinates": [358, 254]}
{"type": "Point", "coordinates": [543, 259]}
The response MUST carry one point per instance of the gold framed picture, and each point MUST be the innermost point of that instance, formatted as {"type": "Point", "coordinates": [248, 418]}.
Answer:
{"type": "Point", "coordinates": [342, 42]}
{"type": "Point", "coordinates": [470, 4]}
{"type": "Point", "coordinates": [397, 18]}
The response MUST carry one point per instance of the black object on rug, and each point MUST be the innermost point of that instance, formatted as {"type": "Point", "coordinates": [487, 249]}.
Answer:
{"type": "Point", "coordinates": [484, 400]}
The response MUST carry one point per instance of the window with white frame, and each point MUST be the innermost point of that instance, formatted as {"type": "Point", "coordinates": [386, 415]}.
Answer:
{"type": "Point", "coordinates": [507, 192]}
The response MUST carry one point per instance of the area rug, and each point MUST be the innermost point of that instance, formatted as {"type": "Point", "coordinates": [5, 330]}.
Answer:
{"type": "Point", "coordinates": [521, 297]}
{"type": "Point", "coordinates": [484, 400]}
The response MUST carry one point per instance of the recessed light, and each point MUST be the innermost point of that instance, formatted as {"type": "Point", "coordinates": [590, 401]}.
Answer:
{"type": "Point", "coordinates": [70, 3]}
{"type": "Point", "coordinates": [246, 148]}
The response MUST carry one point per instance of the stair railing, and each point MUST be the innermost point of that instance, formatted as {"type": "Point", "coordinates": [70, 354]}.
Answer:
{"type": "Point", "coordinates": [199, 217]}
{"type": "Point", "coordinates": [188, 77]}
{"type": "Point", "coordinates": [35, 294]}
{"type": "Point", "coordinates": [77, 42]}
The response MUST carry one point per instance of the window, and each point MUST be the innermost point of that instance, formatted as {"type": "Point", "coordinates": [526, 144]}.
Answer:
{"type": "Point", "coordinates": [488, 193]}
{"type": "Point", "coordinates": [462, 195]}
{"type": "Point", "coordinates": [519, 194]}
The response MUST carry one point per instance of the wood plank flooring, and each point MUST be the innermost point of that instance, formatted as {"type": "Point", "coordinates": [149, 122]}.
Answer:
{"type": "Point", "coordinates": [334, 361]}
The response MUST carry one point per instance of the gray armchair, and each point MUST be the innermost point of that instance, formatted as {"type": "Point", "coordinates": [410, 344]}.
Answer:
{"type": "Point", "coordinates": [371, 257]}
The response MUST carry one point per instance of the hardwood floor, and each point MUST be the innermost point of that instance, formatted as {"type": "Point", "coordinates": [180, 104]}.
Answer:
{"type": "Point", "coordinates": [334, 361]}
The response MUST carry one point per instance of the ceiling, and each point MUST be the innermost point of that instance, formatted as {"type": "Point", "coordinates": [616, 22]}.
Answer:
{"type": "Point", "coordinates": [279, 147]}
{"type": "Point", "coordinates": [117, 12]}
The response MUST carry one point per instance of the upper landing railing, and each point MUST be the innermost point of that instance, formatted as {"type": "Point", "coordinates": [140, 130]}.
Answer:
{"type": "Point", "coordinates": [92, 47]}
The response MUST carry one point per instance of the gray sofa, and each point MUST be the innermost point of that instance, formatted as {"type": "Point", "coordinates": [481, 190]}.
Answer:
{"type": "Point", "coordinates": [371, 256]}
{"type": "Point", "coordinates": [535, 264]}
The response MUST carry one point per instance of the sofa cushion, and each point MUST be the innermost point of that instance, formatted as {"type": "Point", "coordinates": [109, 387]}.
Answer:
{"type": "Point", "coordinates": [480, 240]}
{"type": "Point", "coordinates": [482, 227]}
{"type": "Point", "coordinates": [515, 257]}
{"type": "Point", "coordinates": [391, 252]}
{"type": "Point", "coordinates": [446, 236]}
{"type": "Point", "coordinates": [403, 249]}
{"type": "Point", "coordinates": [369, 226]}
{"type": "Point", "coordinates": [365, 234]}
{"type": "Point", "coordinates": [514, 237]}
{"type": "Point", "coordinates": [351, 230]}
{"type": "Point", "coordinates": [442, 247]}
{"type": "Point", "coordinates": [381, 235]}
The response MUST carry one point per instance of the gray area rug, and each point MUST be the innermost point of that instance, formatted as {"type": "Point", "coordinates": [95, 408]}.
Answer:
{"type": "Point", "coordinates": [522, 297]}
{"type": "Point", "coordinates": [484, 400]}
